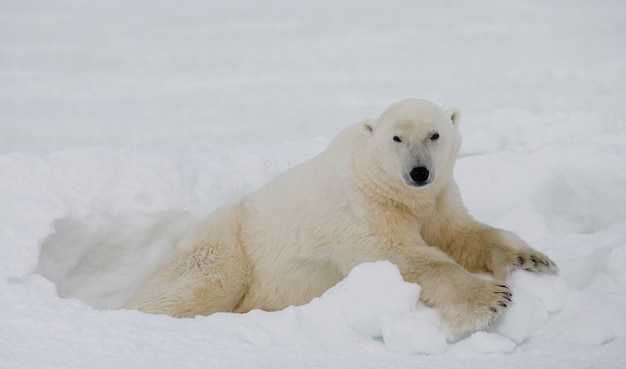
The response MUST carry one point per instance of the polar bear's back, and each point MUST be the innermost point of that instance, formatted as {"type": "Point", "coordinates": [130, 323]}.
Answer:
{"type": "Point", "coordinates": [312, 184]}
{"type": "Point", "coordinates": [292, 225]}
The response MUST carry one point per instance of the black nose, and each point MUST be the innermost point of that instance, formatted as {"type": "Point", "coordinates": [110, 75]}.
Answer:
{"type": "Point", "coordinates": [419, 174]}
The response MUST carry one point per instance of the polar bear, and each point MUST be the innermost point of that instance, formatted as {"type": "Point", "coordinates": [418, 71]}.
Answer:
{"type": "Point", "coordinates": [382, 190]}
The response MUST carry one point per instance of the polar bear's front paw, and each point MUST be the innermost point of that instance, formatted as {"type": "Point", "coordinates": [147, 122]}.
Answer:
{"type": "Point", "coordinates": [509, 252]}
{"type": "Point", "coordinates": [476, 305]}
{"type": "Point", "coordinates": [533, 261]}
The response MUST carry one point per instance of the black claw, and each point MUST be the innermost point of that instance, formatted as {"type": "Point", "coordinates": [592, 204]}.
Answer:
{"type": "Point", "coordinates": [533, 259]}
{"type": "Point", "coordinates": [503, 286]}
{"type": "Point", "coordinates": [520, 260]}
{"type": "Point", "coordinates": [508, 298]}
{"type": "Point", "coordinates": [493, 309]}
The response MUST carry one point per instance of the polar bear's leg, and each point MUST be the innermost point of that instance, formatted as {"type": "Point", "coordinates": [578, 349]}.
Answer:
{"type": "Point", "coordinates": [200, 281]}
{"type": "Point", "coordinates": [508, 252]}
{"type": "Point", "coordinates": [481, 248]}
{"type": "Point", "coordinates": [465, 301]}
{"type": "Point", "coordinates": [209, 273]}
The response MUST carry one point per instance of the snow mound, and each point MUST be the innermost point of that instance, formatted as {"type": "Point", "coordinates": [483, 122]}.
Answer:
{"type": "Point", "coordinates": [369, 291]}
{"type": "Point", "coordinates": [534, 297]}
{"type": "Point", "coordinates": [372, 302]}
{"type": "Point", "coordinates": [483, 342]}
{"type": "Point", "coordinates": [417, 332]}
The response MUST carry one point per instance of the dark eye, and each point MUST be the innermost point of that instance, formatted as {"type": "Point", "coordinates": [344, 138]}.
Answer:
{"type": "Point", "coordinates": [434, 137]}
{"type": "Point", "coordinates": [397, 139]}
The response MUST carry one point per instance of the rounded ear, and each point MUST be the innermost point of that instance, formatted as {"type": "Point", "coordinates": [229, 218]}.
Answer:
{"type": "Point", "coordinates": [368, 126]}
{"type": "Point", "coordinates": [455, 116]}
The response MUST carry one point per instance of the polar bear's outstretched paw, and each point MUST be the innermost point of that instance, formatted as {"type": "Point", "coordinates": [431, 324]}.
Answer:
{"type": "Point", "coordinates": [534, 261]}
{"type": "Point", "coordinates": [476, 304]}
{"type": "Point", "coordinates": [486, 302]}
{"type": "Point", "coordinates": [509, 252]}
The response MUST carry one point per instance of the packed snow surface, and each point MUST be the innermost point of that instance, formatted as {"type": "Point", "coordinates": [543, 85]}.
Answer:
{"type": "Point", "coordinates": [124, 122]}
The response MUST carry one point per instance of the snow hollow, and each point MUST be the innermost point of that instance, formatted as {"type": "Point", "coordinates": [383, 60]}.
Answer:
{"type": "Point", "coordinates": [123, 123]}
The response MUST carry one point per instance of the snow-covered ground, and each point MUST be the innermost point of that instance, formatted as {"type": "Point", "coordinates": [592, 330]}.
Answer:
{"type": "Point", "coordinates": [124, 122]}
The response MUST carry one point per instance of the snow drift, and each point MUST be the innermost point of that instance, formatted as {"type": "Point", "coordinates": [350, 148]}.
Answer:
{"type": "Point", "coordinates": [122, 124]}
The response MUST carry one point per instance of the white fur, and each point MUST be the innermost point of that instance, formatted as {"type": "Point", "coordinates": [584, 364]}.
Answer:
{"type": "Point", "coordinates": [356, 202]}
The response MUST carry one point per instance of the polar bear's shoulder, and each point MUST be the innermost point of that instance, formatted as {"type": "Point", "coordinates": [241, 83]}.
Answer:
{"type": "Point", "coordinates": [349, 140]}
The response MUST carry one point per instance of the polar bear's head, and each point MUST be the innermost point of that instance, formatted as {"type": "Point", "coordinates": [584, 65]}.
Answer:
{"type": "Point", "coordinates": [414, 141]}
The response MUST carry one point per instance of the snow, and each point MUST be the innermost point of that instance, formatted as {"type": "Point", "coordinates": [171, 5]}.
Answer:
{"type": "Point", "coordinates": [123, 123]}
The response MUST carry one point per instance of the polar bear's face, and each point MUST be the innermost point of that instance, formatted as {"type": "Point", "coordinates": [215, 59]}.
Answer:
{"type": "Point", "coordinates": [414, 141]}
